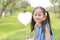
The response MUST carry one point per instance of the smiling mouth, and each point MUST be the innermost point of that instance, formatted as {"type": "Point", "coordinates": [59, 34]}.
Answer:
{"type": "Point", "coordinates": [37, 19]}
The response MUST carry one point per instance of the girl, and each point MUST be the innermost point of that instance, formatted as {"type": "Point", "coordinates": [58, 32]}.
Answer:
{"type": "Point", "coordinates": [41, 25]}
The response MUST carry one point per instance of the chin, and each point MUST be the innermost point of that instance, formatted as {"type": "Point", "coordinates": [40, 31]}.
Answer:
{"type": "Point", "coordinates": [38, 21]}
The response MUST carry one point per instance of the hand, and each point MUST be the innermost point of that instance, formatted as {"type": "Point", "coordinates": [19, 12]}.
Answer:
{"type": "Point", "coordinates": [28, 38]}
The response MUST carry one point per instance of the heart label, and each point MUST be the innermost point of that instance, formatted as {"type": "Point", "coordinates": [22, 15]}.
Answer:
{"type": "Point", "coordinates": [24, 18]}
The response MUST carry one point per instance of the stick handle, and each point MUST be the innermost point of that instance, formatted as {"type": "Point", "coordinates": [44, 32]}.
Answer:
{"type": "Point", "coordinates": [26, 31]}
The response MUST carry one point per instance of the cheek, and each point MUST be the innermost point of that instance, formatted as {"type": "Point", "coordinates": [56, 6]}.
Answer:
{"type": "Point", "coordinates": [41, 18]}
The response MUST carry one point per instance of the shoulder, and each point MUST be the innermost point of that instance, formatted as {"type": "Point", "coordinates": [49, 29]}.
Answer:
{"type": "Point", "coordinates": [47, 30]}
{"type": "Point", "coordinates": [47, 27]}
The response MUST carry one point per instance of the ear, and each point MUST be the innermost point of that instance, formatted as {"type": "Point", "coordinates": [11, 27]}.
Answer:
{"type": "Point", "coordinates": [44, 18]}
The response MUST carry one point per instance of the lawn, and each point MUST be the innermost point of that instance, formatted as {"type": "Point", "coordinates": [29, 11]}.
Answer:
{"type": "Point", "coordinates": [12, 29]}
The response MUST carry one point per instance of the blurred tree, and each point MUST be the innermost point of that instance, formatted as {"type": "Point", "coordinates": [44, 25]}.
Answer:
{"type": "Point", "coordinates": [12, 5]}
{"type": "Point", "coordinates": [55, 3]}
{"type": "Point", "coordinates": [24, 4]}
{"type": "Point", "coordinates": [59, 7]}
{"type": "Point", "coordinates": [4, 6]}
{"type": "Point", "coordinates": [29, 8]}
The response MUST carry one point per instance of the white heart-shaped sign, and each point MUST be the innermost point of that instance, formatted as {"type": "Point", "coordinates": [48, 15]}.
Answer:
{"type": "Point", "coordinates": [24, 18]}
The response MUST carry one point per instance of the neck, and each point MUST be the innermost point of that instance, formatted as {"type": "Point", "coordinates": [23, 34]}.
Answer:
{"type": "Point", "coordinates": [39, 24]}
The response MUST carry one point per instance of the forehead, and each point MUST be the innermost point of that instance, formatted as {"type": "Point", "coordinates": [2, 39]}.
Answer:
{"type": "Point", "coordinates": [38, 10]}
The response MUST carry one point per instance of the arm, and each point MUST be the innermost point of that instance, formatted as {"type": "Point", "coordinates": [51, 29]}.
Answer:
{"type": "Point", "coordinates": [47, 33]}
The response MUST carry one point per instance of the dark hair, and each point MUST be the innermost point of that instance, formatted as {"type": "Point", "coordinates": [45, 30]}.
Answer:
{"type": "Point", "coordinates": [47, 20]}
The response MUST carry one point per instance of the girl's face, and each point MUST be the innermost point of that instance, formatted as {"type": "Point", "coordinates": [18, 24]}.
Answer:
{"type": "Point", "coordinates": [38, 15]}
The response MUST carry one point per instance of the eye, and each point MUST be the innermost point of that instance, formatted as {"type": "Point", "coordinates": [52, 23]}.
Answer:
{"type": "Point", "coordinates": [39, 15]}
{"type": "Point", "coordinates": [35, 14]}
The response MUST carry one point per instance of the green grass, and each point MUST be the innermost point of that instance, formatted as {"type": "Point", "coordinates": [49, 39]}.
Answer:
{"type": "Point", "coordinates": [55, 22]}
{"type": "Point", "coordinates": [12, 29]}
